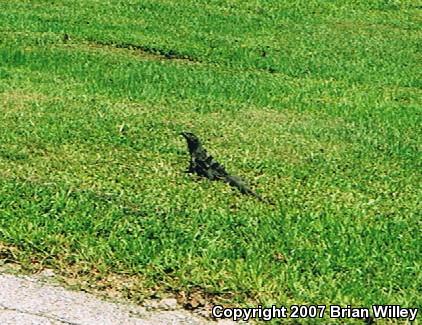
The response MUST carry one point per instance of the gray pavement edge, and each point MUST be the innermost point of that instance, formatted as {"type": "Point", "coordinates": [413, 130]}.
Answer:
{"type": "Point", "coordinates": [28, 300]}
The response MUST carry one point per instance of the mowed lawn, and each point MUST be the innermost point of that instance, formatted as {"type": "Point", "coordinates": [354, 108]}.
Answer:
{"type": "Point", "coordinates": [317, 104]}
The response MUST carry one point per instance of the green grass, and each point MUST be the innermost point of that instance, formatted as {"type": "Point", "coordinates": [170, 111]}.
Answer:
{"type": "Point", "coordinates": [317, 104]}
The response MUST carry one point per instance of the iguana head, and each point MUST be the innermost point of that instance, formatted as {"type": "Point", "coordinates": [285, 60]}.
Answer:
{"type": "Point", "coordinates": [192, 140]}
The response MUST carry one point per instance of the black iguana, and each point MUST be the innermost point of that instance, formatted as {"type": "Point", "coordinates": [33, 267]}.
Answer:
{"type": "Point", "coordinates": [205, 165]}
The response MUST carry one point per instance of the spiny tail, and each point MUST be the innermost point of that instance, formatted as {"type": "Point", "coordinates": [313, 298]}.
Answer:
{"type": "Point", "coordinates": [237, 182]}
{"type": "Point", "coordinates": [246, 190]}
{"type": "Point", "coordinates": [259, 197]}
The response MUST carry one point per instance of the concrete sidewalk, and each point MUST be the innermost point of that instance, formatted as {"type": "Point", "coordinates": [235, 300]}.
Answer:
{"type": "Point", "coordinates": [27, 300]}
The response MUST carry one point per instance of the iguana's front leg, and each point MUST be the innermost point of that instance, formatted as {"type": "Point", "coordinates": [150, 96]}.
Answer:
{"type": "Point", "coordinates": [191, 168]}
